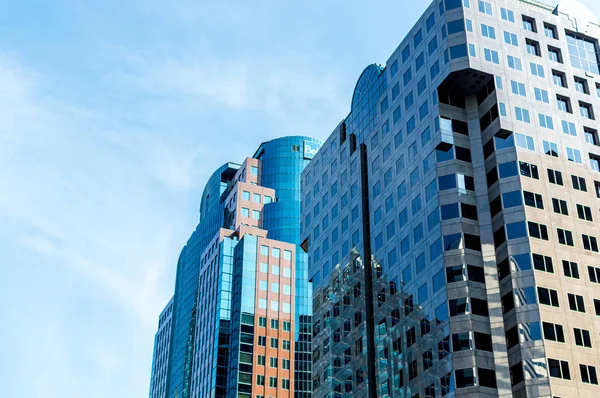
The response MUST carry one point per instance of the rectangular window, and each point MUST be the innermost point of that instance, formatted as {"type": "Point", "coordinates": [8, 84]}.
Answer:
{"type": "Point", "coordinates": [529, 24]}
{"type": "Point", "coordinates": [560, 206]}
{"type": "Point", "coordinates": [507, 15]}
{"type": "Point", "coordinates": [514, 63]}
{"type": "Point", "coordinates": [565, 237]}
{"type": "Point", "coordinates": [574, 155]}
{"type": "Point", "coordinates": [559, 369]}
{"type": "Point", "coordinates": [583, 52]}
{"type": "Point", "coordinates": [554, 54]}
{"type": "Point", "coordinates": [541, 95]}
{"type": "Point", "coordinates": [546, 121]}
{"type": "Point", "coordinates": [518, 88]}
{"type": "Point", "coordinates": [522, 115]}
{"type": "Point", "coordinates": [555, 177]}
{"type": "Point", "coordinates": [553, 332]}
{"type": "Point", "coordinates": [559, 79]}
{"type": "Point", "coordinates": [511, 38]}
{"type": "Point", "coordinates": [576, 302]}
{"type": "Point", "coordinates": [550, 31]}
{"type": "Point", "coordinates": [537, 69]}
{"type": "Point", "coordinates": [533, 47]}
{"type": "Point", "coordinates": [579, 183]}
{"type": "Point", "coordinates": [533, 199]}
{"type": "Point", "coordinates": [570, 269]}
{"type": "Point", "coordinates": [491, 56]}
{"type": "Point", "coordinates": [550, 148]}
{"type": "Point", "coordinates": [588, 374]}
{"type": "Point", "coordinates": [485, 7]}
{"type": "Point", "coordinates": [584, 213]}
{"type": "Point", "coordinates": [590, 243]}
{"type": "Point", "coordinates": [548, 296]}
{"type": "Point", "coordinates": [488, 31]}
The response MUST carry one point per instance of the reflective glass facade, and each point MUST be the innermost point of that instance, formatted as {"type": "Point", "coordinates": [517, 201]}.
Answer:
{"type": "Point", "coordinates": [445, 218]}
{"type": "Point", "coordinates": [242, 295]}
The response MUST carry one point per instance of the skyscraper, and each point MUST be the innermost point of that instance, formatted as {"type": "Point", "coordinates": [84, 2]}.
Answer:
{"type": "Point", "coordinates": [160, 358]}
{"type": "Point", "coordinates": [451, 219]}
{"type": "Point", "coordinates": [242, 304]}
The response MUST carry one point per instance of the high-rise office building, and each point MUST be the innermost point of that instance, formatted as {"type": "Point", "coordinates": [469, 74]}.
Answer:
{"type": "Point", "coordinates": [451, 219]}
{"type": "Point", "coordinates": [242, 306]}
{"type": "Point", "coordinates": [160, 358]}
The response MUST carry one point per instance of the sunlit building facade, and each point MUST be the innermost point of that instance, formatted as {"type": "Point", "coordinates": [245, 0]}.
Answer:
{"type": "Point", "coordinates": [242, 307]}
{"type": "Point", "coordinates": [451, 219]}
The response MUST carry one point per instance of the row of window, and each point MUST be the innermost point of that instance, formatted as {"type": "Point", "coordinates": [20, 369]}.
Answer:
{"type": "Point", "coordinates": [274, 343]}
{"type": "Point", "coordinates": [260, 381]}
{"type": "Point", "coordinates": [256, 197]}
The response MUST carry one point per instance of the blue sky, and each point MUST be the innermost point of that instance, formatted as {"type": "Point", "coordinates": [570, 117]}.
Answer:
{"type": "Point", "coordinates": [112, 116]}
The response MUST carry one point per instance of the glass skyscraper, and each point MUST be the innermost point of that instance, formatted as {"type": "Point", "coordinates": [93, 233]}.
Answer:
{"type": "Point", "coordinates": [241, 313]}
{"type": "Point", "coordinates": [451, 219]}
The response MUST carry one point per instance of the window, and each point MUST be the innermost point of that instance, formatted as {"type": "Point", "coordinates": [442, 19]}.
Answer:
{"type": "Point", "coordinates": [559, 369]}
{"type": "Point", "coordinates": [522, 115]}
{"type": "Point", "coordinates": [569, 128]}
{"type": "Point", "coordinates": [555, 54]}
{"type": "Point", "coordinates": [582, 338]}
{"type": "Point", "coordinates": [560, 206]}
{"type": "Point", "coordinates": [546, 121]}
{"type": "Point", "coordinates": [533, 199]}
{"type": "Point", "coordinates": [529, 170]}
{"type": "Point", "coordinates": [511, 38]}
{"type": "Point", "coordinates": [533, 48]}
{"type": "Point", "coordinates": [430, 22]}
{"type": "Point", "coordinates": [586, 110]}
{"type": "Point", "coordinates": [491, 56]}
{"type": "Point", "coordinates": [595, 165]}
{"type": "Point", "coordinates": [559, 79]}
{"type": "Point", "coordinates": [548, 296]}
{"type": "Point", "coordinates": [514, 63]}
{"type": "Point", "coordinates": [538, 231]}
{"type": "Point", "coordinates": [550, 148]}
{"type": "Point", "coordinates": [584, 212]}
{"type": "Point", "coordinates": [550, 31]}
{"type": "Point", "coordinates": [576, 302]}
{"type": "Point", "coordinates": [507, 15]}
{"type": "Point", "coordinates": [555, 177]}
{"type": "Point", "coordinates": [529, 24]}
{"type": "Point", "coordinates": [588, 374]}
{"type": "Point", "coordinates": [563, 103]}
{"type": "Point", "coordinates": [570, 269]}
{"type": "Point", "coordinates": [583, 52]}
{"type": "Point", "coordinates": [590, 243]}
{"type": "Point", "coordinates": [591, 136]}
{"type": "Point", "coordinates": [518, 88]}
{"type": "Point", "coordinates": [407, 76]}
{"type": "Point", "coordinates": [553, 332]}
{"type": "Point", "coordinates": [420, 61]}
{"type": "Point", "coordinates": [581, 85]}
{"type": "Point", "coordinates": [485, 7]}
{"type": "Point", "coordinates": [565, 237]}
{"type": "Point", "coordinates": [488, 31]}
{"type": "Point", "coordinates": [579, 183]}
{"type": "Point", "coordinates": [541, 95]}
{"type": "Point", "coordinates": [543, 263]}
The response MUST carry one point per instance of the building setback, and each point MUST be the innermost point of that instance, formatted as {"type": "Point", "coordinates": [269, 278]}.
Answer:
{"type": "Point", "coordinates": [451, 220]}
{"type": "Point", "coordinates": [242, 306]}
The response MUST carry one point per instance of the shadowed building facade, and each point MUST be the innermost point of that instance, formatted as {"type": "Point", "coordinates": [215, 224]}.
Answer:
{"type": "Point", "coordinates": [451, 219]}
